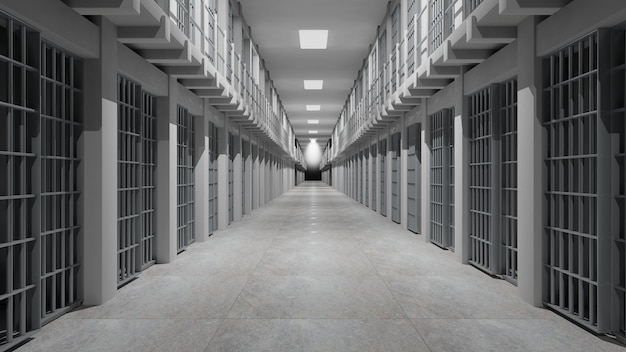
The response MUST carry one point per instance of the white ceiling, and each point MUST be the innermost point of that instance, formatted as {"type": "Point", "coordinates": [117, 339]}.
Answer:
{"type": "Point", "coordinates": [352, 28]}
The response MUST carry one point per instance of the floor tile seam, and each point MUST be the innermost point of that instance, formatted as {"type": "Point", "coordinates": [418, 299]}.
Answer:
{"type": "Point", "coordinates": [420, 335]}
{"type": "Point", "coordinates": [321, 318]}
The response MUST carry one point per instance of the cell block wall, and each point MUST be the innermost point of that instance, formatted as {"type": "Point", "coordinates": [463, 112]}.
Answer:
{"type": "Point", "coordinates": [395, 177]}
{"type": "Point", "coordinates": [20, 260]}
{"type": "Point", "coordinates": [185, 179]}
{"type": "Point", "coordinates": [414, 178]}
{"type": "Point", "coordinates": [61, 126]}
{"type": "Point", "coordinates": [508, 196]}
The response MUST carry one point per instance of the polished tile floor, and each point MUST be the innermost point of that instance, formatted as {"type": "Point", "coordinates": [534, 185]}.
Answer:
{"type": "Point", "coordinates": [315, 271]}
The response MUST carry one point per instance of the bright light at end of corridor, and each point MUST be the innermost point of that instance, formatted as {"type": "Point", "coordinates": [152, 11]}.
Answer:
{"type": "Point", "coordinates": [313, 154]}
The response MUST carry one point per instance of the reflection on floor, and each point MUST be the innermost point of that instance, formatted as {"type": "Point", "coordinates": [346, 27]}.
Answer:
{"type": "Point", "coordinates": [315, 271]}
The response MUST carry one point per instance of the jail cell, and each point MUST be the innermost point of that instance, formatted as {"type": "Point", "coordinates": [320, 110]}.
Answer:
{"type": "Point", "coordinates": [584, 108]}
{"type": "Point", "coordinates": [383, 177]}
{"type": "Point", "coordinates": [374, 156]}
{"type": "Point", "coordinates": [441, 179]}
{"type": "Point", "coordinates": [508, 198]}
{"type": "Point", "coordinates": [61, 122]}
{"type": "Point", "coordinates": [366, 177]}
{"type": "Point", "coordinates": [618, 173]}
{"type": "Point", "coordinates": [484, 181]}
{"type": "Point", "coordinates": [395, 177]}
{"type": "Point", "coordinates": [441, 22]}
{"type": "Point", "coordinates": [185, 178]}
{"type": "Point", "coordinates": [231, 178]}
{"type": "Point", "coordinates": [412, 37]}
{"type": "Point", "coordinates": [129, 154]}
{"type": "Point", "coordinates": [414, 199]}
{"type": "Point", "coordinates": [20, 260]}
{"type": "Point", "coordinates": [213, 189]}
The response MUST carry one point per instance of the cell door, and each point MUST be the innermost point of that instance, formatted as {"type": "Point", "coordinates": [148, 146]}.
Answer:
{"type": "Point", "coordinates": [231, 177]}
{"type": "Point", "coordinates": [484, 230]}
{"type": "Point", "coordinates": [414, 198]}
{"type": "Point", "coordinates": [508, 198]}
{"type": "Point", "coordinates": [186, 180]}
{"type": "Point", "coordinates": [245, 152]}
{"type": "Point", "coordinates": [383, 177]}
{"type": "Point", "coordinates": [136, 180]}
{"type": "Point", "coordinates": [395, 177]}
{"type": "Point", "coordinates": [442, 179]}
{"type": "Point", "coordinates": [213, 189]}
{"type": "Point", "coordinates": [359, 176]}
{"type": "Point", "coordinates": [366, 177]}
{"type": "Point", "coordinates": [374, 156]}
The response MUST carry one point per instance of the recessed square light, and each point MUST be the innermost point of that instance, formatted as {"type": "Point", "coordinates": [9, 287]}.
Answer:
{"type": "Point", "coordinates": [313, 39]}
{"type": "Point", "coordinates": [313, 122]}
{"type": "Point", "coordinates": [312, 131]}
{"type": "Point", "coordinates": [316, 84]}
{"type": "Point", "coordinates": [313, 108]}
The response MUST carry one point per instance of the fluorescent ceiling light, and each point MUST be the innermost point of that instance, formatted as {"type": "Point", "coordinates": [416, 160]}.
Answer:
{"type": "Point", "coordinates": [313, 84]}
{"type": "Point", "coordinates": [313, 108]}
{"type": "Point", "coordinates": [312, 122]}
{"type": "Point", "coordinates": [312, 131]}
{"type": "Point", "coordinates": [313, 39]}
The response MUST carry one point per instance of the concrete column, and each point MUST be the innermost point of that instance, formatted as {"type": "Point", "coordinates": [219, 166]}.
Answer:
{"type": "Point", "coordinates": [99, 159]}
{"type": "Point", "coordinates": [404, 175]}
{"type": "Point", "coordinates": [201, 175]}
{"type": "Point", "coordinates": [425, 169]}
{"type": "Point", "coordinates": [530, 165]}
{"type": "Point", "coordinates": [249, 177]}
{"type": "Point", "coordinates": [222, 174]}
{"type": "Point", "coordinates": [237, 178]}
{"type": "Point", "coordinates": [461, 174]}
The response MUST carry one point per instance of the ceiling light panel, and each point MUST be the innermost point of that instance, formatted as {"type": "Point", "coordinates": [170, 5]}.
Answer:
{"type": "Point", "coordinates": [313, 108]}
{"type": "Point", "coordinates": [313, 39]}
{"type": "Point", "coordinates": [313, 122]}
{"type": "Point", "coordinates": [312, 131]}
{"type": "Point", "coordinates": [313, 84]}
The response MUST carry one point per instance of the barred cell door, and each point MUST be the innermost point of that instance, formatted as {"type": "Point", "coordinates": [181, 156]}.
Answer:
{"type": "Point", "coordinates": [186, 180]}
{"type": "Point", "coordinates": [584, 232]}
{"type": "Point", "coordinates": [383, 177]}
{"type": "Point", "coordinates": [414, 183]}
{"type": "Point", "coordinates": [213, 190]}
{"type": "Point", "coordinates": [485, 245]}
{"type": "Point", "coordinates": [366, 177]}
{"type": "Point", "coordinates": [395, 177]}
{"type": "Point", "coordinates": [231, 178]}
{"type": "Point", "coordinates": [442, 179]}
{"type": "Point", "coordinates": [136, 180]}
{"type": "Point", "coordinates": [245, 152]}
{"type": "Point", "coordinates": [359, 176]}
{"type": "Point", "coordinates": [374, 156]}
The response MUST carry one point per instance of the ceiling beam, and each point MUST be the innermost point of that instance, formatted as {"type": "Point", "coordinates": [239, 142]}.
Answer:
{"type": "Point", "coordinates": [145, 35]}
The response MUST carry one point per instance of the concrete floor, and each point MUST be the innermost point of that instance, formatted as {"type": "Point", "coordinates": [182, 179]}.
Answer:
{"type": "Point", "coordinates": [315, 271]}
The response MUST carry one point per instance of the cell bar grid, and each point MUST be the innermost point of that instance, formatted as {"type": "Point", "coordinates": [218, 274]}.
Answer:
{"type": "Point", "coordinates": [231, 175]}
{"type": "Point", "coordinates": [572, 228]}
{"type": "Point", "coordinates": [374, 156]}
{"type": "Point", "coordinates": [484, 181]}
{"type": "Point", "coordinates": [395, 177]}
{"type": "Point", "coordinates": [441, 179]}
{"type": "Point", "coordinates": [185, 178]}
{"type": "Point", "coordinates": [213, 153]}
{"type": "Point", "coordinates": [383, 177]}
{"type": "Point", "coordinates": [61, 125]}
{"type": "Point", "coordinates": [508, 197]}
{"type": "Point", "coordinates": [19, 216]}
{"type": "Point", "coordinates": [148, 180]}
{"type": "Point", "coordinates": [128, 180]}
{"type": "Point", "coordinates": [414, 178]}
{"type": "Point", "coordinates": [366, 179]}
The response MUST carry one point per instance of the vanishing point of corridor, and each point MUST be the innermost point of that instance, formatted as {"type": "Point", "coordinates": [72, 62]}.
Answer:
{"type": "Point", "coordinates": [314, 271]}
